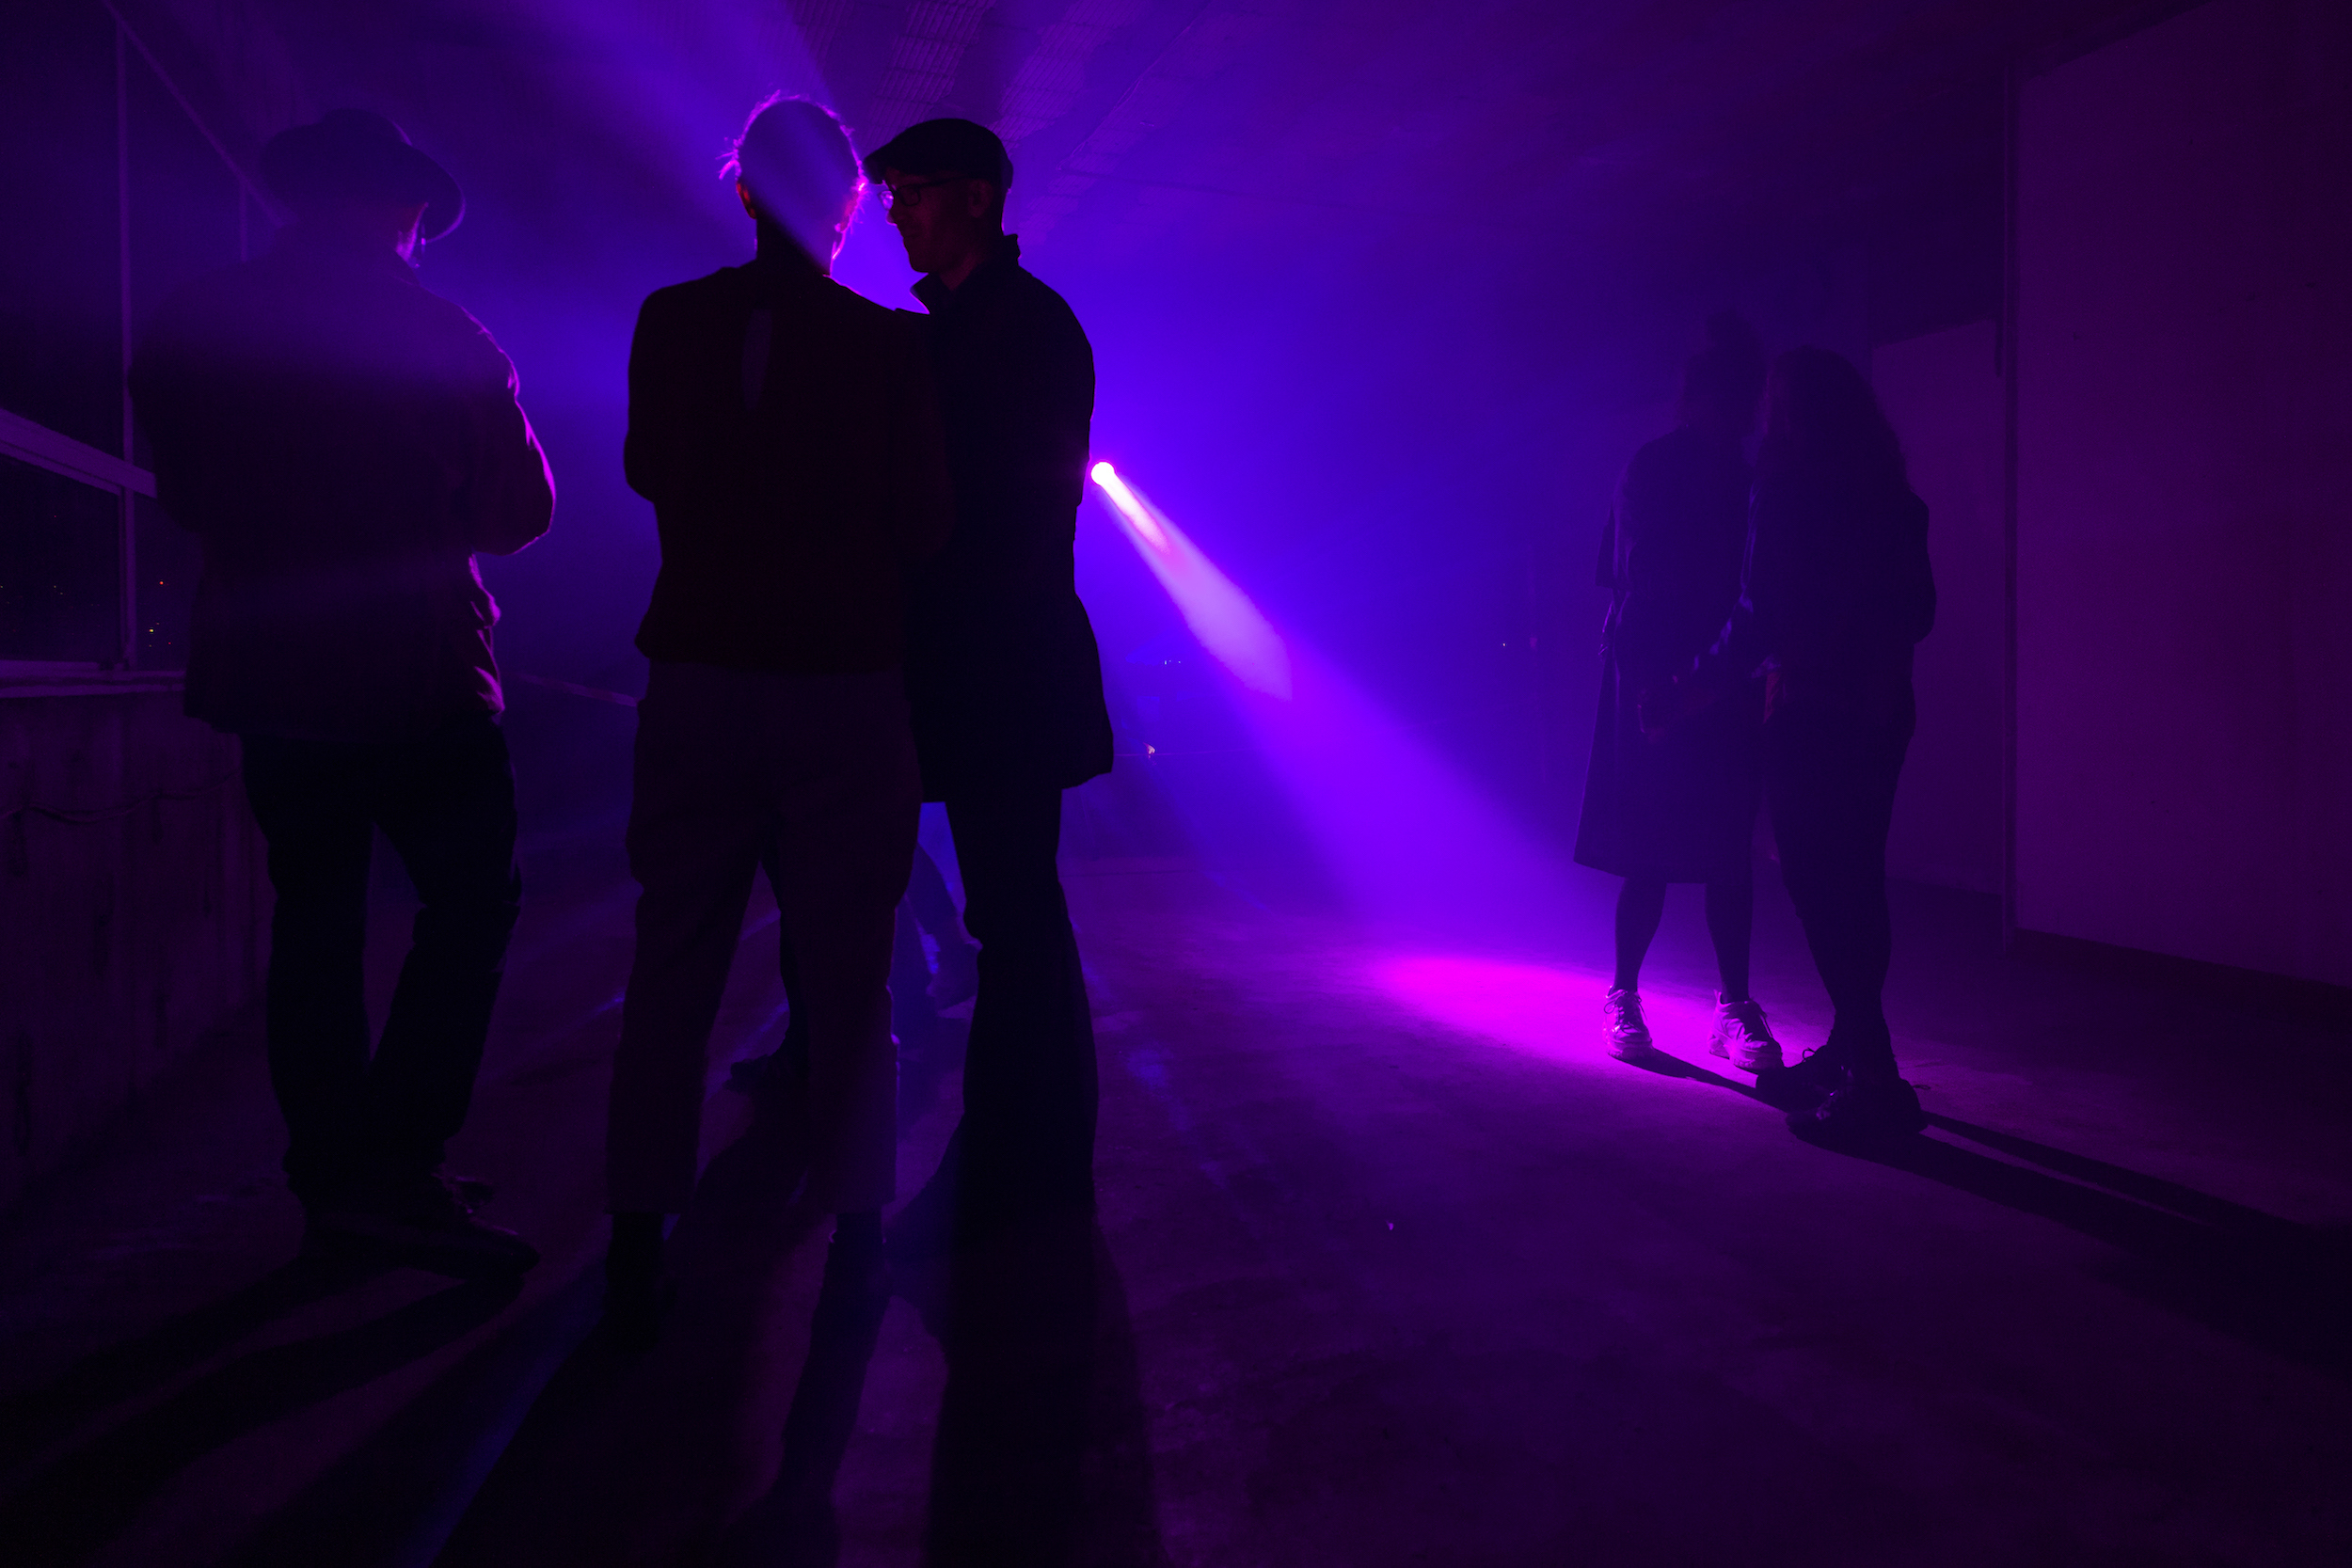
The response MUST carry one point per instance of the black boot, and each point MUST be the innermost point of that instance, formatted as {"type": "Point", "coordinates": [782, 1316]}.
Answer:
{"type": "Point", "coordinates": [1803, 1084]}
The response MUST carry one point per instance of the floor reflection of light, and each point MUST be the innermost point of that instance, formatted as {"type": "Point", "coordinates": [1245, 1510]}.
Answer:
{"type": "Point", "coordinates": [1541, 1011]}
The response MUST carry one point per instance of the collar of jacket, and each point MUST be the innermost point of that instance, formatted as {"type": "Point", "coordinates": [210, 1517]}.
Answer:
{"type": "Point", "coordinates": [936, 296]}
{"type": "Point", "coordinates": [781, 266]}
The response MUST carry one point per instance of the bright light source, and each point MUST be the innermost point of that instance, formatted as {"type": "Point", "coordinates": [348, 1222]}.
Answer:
{"type": "Point", "coordinates": [1219, 614]}
{"type": "Point", "coordinates": [1137, 515]}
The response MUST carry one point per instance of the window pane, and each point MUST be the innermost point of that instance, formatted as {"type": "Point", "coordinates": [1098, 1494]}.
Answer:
{"type": "Point", "coordinates": [169, 560]}
{"type": "Point", "coordinates": [60, 304]}
{"type": "Point", "coordinates": [183, 205]}
{"type": "Point", "coordinates": [60, 567]}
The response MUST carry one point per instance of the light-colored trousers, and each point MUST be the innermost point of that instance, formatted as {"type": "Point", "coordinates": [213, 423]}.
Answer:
{"type": "Point", "coordinates": [727, 762]}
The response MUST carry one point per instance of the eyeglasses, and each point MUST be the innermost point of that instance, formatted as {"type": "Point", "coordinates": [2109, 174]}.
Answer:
{"type": "Point", "coordinates": [891, 196]}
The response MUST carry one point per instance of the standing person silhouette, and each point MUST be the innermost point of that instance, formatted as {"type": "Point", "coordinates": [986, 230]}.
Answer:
{"type": "Point", "coordinates": [1680, 807]}
{"type": "Point", "coordinates": [1835, 592]}
{"type": "Point", "coordinates": [1002, 669]}
{"type": "Point", "coordinates": [343, 442]}
{"type": "Point", "coordinates": [785, 432]}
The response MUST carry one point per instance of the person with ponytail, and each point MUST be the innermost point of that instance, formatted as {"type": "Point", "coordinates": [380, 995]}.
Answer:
{"type": "Point", "coordinates": [1836, 591]}
{"type": "Point", "coordinates": [1680, 807]}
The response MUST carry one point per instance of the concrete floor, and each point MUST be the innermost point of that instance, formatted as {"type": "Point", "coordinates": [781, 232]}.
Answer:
{"type": "Point", "coordinates": [1392, 1266]}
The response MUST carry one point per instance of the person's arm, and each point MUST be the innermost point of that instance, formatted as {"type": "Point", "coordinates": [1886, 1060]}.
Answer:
{"type": "Point", "coordinates": [509, 493]}
{"type": "Point", "coordinates": [1767, 584]}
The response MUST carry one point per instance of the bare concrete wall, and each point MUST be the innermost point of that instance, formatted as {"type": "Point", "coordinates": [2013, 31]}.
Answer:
{"type": "Point", "coordinates": [2184, 529]}
{"type": "Point", "coordinates": [1945, 399]}
{"type": "Point", "coordinates": [134, 907]}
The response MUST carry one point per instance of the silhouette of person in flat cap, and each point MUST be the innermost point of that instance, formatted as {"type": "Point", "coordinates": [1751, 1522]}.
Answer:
{"type": "Point", "coordinates": [1002, 669]}
{"type": "Point", "coordinates": [345, 442]}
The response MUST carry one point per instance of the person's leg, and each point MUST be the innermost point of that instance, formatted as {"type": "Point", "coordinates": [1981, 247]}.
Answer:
{"type": "Point", "coordinates": [1832, 790]}
{"type": "Point", "coordinates": [1031, 1091]}
{"type": "Point", "coordinates": [447, 804]}
{"type": "Point", "coordinates": [1731, 926]}
{"type": "Point", "coordinates": [1641, 904]}
{"type": "Point", "coordinates": [696, 826]}
{"type": "Point", "coordinates": [790, 1057]}
{"type": "Point", "coordinates": [849, 798]}
{"type": "Point", "coordinates": [320, 840]}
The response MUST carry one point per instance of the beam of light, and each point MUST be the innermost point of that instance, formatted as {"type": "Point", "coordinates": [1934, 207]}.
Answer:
{"type": "Point", "coordinates": [1405, 835]}
{"type": "Point", "coordinates": [1219, 614]}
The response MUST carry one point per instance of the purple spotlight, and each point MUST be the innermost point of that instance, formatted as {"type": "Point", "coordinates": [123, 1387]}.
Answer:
{"type": "Point", "coordinates": [1219, 614]}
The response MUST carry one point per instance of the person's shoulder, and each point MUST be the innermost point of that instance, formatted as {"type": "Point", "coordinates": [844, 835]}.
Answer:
{"type": "Point", "coordinates": [1659, 458]}
{"type": "Point", "coordinates": [696, 293]}
{"type": "Point", "coordinates": [1038, 298]}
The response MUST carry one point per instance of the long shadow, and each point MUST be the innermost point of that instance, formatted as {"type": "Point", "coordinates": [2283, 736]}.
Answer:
{"type": "Point", "coordinates": [2269, 1282]}
{"type": "Point", "coordinates": [78, 1502]}
{"type": "Point", "coordinates": [394, 1498]}
{"type": "Point", "coordinates": [1042, 1451]}
{"type": "Point", "coordinates": [793, 1525]}
{"type": "Point", "coordinates": [555, 1488]}
{"type": "Point", "coordinates": [35, 1419]}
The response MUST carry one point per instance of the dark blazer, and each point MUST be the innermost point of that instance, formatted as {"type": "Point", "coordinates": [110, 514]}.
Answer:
{"type": "Point", "coordinates": [792, 486]}
{"type": "Point", "coordinates": [343, 441]}
{"type": "Point", "coordinates": [1836, 590]}
{"type": "Point", "coordinates": [1003, 673]}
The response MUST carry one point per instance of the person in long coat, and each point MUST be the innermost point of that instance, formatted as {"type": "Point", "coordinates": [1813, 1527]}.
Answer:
{"type": "Point", "coordinates": [1680, 807]}
{"type": "Point", "coordinates": [1835, 590]}
{"type": "Point", "coordinates": [1004, 678]}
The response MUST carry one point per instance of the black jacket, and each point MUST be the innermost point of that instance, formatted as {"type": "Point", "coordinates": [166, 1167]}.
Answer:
{"type": "Point", "coordinates": [1003, 673]}
{"type": "Point", "coordinates": [1836, 590]}
{"type": "Point", "coordinates": [793, 488]}
{"type": "Point", "coordinates": [343, 441]}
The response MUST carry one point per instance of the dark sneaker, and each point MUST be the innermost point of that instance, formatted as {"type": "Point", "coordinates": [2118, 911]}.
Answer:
{"type": "Point", "coordinates": [1803, 1084]}
{"type": "Point", "coordinates": [1880, 1111]}
{"type": "Point", "coordinates": [420, 1221]}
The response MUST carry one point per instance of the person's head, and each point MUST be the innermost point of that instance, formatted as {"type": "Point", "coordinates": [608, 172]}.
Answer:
{"type": "Point", "coordinates": [1722, 382]}
{"type": "Point", "coordinates": [797, 174]}
{"type": "Point", "coordinates": [947, 180]}
{"type": "Point", "coordinates": [1820, 414]}
{"type": "Point", "coordinates": [355, 177]}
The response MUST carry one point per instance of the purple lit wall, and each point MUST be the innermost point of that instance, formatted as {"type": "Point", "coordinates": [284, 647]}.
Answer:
{"type": "Point", "coordinates": [2185, 536]}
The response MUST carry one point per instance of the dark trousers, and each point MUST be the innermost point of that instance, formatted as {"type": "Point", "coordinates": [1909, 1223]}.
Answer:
{"type": "Point", "coordinates": [818, 770]}
{"type": "Point", "coordinates": [1029, 1088]}
{"type": "Point", "coordinates": [447, 804]}
{"type": "Point", "coordinates": [1830, 782]}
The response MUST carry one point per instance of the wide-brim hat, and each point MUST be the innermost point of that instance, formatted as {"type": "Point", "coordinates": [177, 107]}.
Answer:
{"type": "Point", "coordinates": [355, 153]}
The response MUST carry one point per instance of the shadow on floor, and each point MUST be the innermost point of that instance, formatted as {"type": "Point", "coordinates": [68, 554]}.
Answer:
{"type": "Point", "coordinates": [40, 1417]}
{"type": "Point", "coordinates": [78, 1501]}
{"type": "Point", "coordinates": [2277, 1286]}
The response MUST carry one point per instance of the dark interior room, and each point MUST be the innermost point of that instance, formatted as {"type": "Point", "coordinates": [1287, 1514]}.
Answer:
{"type": "Point", "coordinates": [809, 781]}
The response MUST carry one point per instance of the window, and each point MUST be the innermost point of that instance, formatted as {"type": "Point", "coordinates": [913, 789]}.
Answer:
{"type": "Point", "coordinates": [122, 197]}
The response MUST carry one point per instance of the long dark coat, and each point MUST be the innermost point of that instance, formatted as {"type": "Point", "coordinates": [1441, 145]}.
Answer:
{"type": "Point", "coordinates": [1003, 675]}
{"type": "Point", "coordinates": [1681, 807]}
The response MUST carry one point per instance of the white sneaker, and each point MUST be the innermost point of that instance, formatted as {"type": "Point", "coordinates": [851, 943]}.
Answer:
{"type": "Point", "coordinates": [1623, 1028]}
{"type": "Point", "coordinates": [1743, 1035]}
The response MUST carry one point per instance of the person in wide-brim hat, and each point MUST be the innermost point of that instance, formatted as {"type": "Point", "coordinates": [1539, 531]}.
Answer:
{"type": "Point", "coordinates": [357, 155]}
